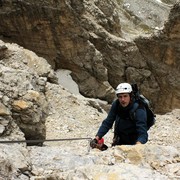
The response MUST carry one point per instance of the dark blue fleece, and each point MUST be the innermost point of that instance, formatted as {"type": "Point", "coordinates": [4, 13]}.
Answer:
{"type": "Point", "coordinates": [130, 131]}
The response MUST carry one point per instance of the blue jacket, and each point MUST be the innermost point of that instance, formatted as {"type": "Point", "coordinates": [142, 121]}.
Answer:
{"type": "Point", "coordinates": [129, 130]}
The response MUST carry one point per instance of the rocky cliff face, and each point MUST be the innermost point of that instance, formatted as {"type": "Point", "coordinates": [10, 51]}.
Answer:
{"type": "Point", "coordinates": [163, 58]}
{"type": "Point", "coordinates": [23, 103]}
{"type": "Point", "coordinates": [34, 106]}
{"type": "Point", "coordinates": [99, 42]}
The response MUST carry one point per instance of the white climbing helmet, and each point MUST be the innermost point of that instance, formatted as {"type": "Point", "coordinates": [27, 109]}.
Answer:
{"type": "Point", "coordinates": [124, 88]}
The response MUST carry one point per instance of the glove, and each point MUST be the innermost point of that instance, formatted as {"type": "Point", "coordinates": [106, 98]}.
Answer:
{"type": "Point", "coordinates": [103, 147]}
{"type": "Point", "coordinates": [94, 143]}
{"type": "Point", "coordinates": [98, 144]}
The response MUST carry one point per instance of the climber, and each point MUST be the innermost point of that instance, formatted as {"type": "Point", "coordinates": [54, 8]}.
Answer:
{"type": "Point", "coordinates": [126, 131]}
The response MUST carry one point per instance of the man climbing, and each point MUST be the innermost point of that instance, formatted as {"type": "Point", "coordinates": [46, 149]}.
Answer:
{"type": "Point", "coordinates": [127, 130]}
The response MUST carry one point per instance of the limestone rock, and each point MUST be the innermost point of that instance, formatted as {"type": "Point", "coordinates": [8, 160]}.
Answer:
{"type": "Point", "coordinates": [13, 156]}
{"type": "Point", "coordinates": [100, 43]}
{"type": "Point", "coordinates": [3, 110]}
{"type": "Point", "coordinates": [3, 48]}
{"type": "Point", "coordinates": [92, 43]}
{"type": "Point", "coordinates": [74, 116]}
{"type": "Point", "coordinates": [22, 92]}
{"type": "Point", "coordinates": [162, 54]}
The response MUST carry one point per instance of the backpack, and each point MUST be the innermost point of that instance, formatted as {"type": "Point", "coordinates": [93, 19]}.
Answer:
{"type": "Point", "coordinates": [141, 100]}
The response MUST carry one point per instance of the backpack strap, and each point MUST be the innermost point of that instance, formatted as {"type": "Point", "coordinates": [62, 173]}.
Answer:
{"type": "Point", "coordinates": [133, 110]}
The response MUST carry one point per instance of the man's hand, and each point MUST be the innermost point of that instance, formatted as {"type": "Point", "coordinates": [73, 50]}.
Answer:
{"type": "Point", "coordinates": [99, 144]}
{"type": "Point", "coordinates": [138, 142]}
{"type": "Point", "coordinates": [93, 143]}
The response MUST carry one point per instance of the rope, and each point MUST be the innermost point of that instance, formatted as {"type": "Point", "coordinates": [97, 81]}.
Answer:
{"type": "Point", "coordinates": [41, 140]}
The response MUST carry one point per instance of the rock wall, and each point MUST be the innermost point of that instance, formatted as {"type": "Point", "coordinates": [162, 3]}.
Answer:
{"type": "Point", "coordinates": [23, 105]}
{"type": "Point", "coordinates": [99, 42]}
{"type": "Point", "coordinates": [73, 116]}
{"type": "Point", "coordinates": [163, 57]}
{"type": "Point", "coordinates": [34, 106]}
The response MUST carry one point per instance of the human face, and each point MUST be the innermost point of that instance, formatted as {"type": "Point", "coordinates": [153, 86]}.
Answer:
{"type": "Point", "coordinates": [124, 99]}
